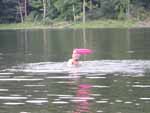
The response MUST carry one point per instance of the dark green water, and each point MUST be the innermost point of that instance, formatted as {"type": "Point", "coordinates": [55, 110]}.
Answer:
{"type": "Point", "coordinates": [35, 78]}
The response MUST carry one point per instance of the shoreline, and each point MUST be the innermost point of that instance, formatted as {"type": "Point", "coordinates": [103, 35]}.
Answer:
{"type": "Point", "coordinates": [68, 25]}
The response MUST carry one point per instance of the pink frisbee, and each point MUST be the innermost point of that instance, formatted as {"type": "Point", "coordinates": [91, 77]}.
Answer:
{"type": "Point", "coordinates": [83, 51]}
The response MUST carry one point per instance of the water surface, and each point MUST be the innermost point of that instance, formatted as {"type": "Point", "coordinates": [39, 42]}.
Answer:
{"type": "Point", "coordinates": [35, 78]}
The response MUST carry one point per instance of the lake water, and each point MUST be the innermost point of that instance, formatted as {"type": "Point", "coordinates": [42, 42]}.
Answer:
{"type": "Point", "coordinates": [35, 78]}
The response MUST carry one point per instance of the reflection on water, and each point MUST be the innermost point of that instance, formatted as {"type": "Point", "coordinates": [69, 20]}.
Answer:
{"type": "Point", "coordinates": [82, 98]}
{"type": "Point", "coordinates": [97, 86]}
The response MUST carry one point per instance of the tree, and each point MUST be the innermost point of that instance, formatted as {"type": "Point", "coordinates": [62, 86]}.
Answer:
{"type": "Point", "coordinates": [20, 11]}
{"type": "Point", "coordinates": [65, 9]}
{"type": "Point", "coordinates": [84, 11]}
{"type": "Point", "coordinates": [128, 9]}
{"type": "Point", "coordinates": [107, 9]}
{"type": "Point", "coordinates": [8, 11]}
{"type": "Point", "coordinates": [22, 7]}
{"type": "Point", "coordinates": [25, 7]}
{"type": "Point", "coordinates": [35, 10]}
{"type": "Point", "coordinates": [44, 9]}
{"type": "Point", "coordinates": [69, 10]}
{"type": "Point", "coordinates": [121, 7]}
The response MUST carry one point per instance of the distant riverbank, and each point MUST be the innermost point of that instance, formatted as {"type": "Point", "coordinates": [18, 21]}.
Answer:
{"type": "Point", "coordinates": [88, 24]}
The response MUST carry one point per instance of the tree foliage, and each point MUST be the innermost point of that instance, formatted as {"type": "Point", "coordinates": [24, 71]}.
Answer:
{"type": "Point", "coordinates": [68, 10]}
{"type": "Point", "coordinates": [8, 10]}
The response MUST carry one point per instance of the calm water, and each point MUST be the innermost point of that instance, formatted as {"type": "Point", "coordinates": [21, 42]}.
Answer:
{"type": "Point", "coordinates": [34, 77]}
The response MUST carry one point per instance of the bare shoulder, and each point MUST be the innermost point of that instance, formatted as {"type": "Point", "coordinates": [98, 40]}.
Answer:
{"type": "Point", "coordinates": [69, 63]}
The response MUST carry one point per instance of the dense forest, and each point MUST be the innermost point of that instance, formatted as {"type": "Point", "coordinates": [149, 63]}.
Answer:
{"type": "Point", "coordinates": [13, 11]}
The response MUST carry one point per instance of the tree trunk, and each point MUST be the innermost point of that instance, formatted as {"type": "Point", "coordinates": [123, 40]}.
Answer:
{"type": "Point", "coordinates": [91, 5]}
{"type": "Point", "coordinates": [128, 10]}
{"type": "Point", "coordinates": [74, 16]}
{"type": "Point", "coordinates": [84, 11]}
{"type": "Point", "coordinates": [25, 8]}
{"type": "Point", "coordinates": [20, 11]}
{"type": "Point", "coordinates": [44, 9]}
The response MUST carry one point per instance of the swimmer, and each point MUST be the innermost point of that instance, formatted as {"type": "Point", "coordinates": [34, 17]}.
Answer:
{"type": "Point", "coordinates": [74, 61]}
{"type": "Point", "coordinates": [75, 58]}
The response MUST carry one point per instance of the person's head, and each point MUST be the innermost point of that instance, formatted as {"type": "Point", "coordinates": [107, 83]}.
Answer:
{"type": "Point", "coordinates": [75, 55]}
{"type": "Point", "coordinates": [74, 51]}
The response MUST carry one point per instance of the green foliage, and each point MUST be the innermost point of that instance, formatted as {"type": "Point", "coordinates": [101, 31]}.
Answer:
{"type": "Point", "coordinates": [8, 10]}
{"type": "Point", "coordinates": [67, 9]}
{"type": "Point", "coordinates": [47, 21]}
{"type": "Point", "coordinates": [107, 8]}
{"type": "Point", "coordinates": [139, 13]}
{"type": "Point", "coordinates": [35, 4]}
{"type": "Point", "coordinates": [34, 16]}
{"type": "Point", "coordinates": [52, 12]}
{"type": "Point", "coordinates": [35, 13]}
{"type": "Point", "coordinates": [106, 24]}
{"type": "Point", "coordinates": [121, 8]}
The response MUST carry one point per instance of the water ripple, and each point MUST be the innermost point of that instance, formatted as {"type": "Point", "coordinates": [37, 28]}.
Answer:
{"type": "Point", "coordinates": [101, 102]}
{"type": "Point", "coordinates": [36, 85]}
{"type": "Point", "coordinates": [37, 101]}
{"type": "Point", "coordinates": [13, 103]}
{"type": "Point", "coordinates": [6, 73]}
{"type": "Point", "coordinates": [15, 79]}
{"type": "Point", "coordinates": [60, 102]}
{"type": "Point", "coordinates": [3, 89]}
{"type": "Point", "coordinates": [141, 86]}
{"type": "Point", "coordinates": [145, 98]}
{"type": "Point", "coordinates": [127, 67]}
{"type": "Point", "coordinates": [12, 98]}
{"type": "Point", "coordinates": [100, 86]}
